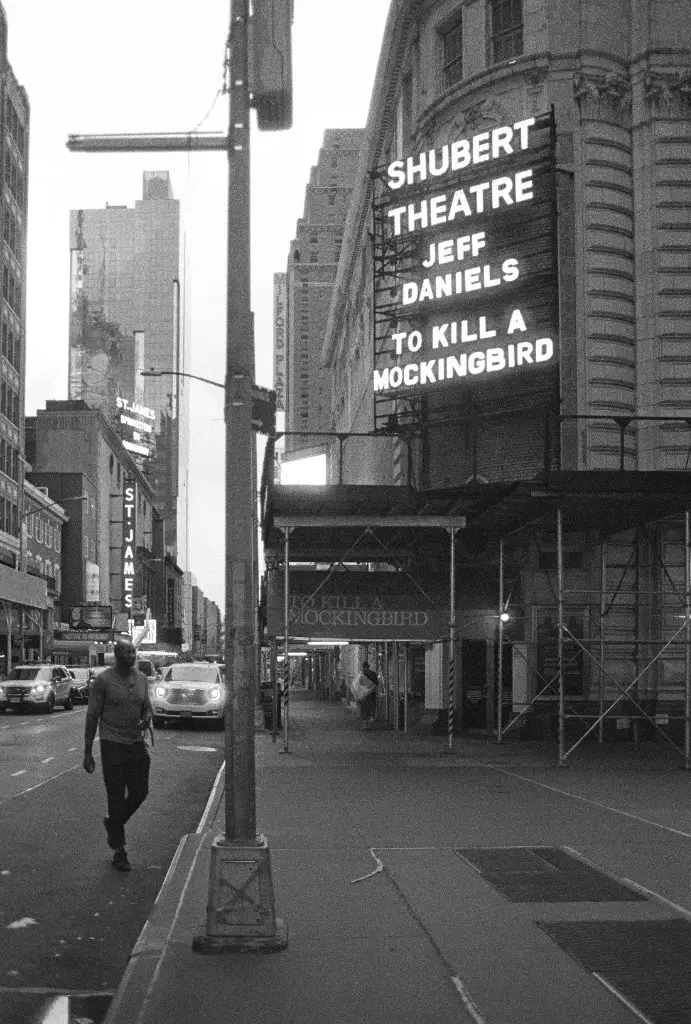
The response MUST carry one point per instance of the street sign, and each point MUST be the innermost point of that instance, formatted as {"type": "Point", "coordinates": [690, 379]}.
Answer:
{"type": "Point", "coordinates": [263, 410]}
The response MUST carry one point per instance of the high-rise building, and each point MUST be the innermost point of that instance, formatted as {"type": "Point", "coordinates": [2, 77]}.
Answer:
{"type": "Point", "coordinates": [14, 158]}
{"type": "Point", "coordinates": [311, 272]}
{"type": "Point", "coordinates": [127, 315]}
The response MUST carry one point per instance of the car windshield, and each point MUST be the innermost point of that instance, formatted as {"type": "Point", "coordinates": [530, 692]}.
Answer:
{"type": "Point", "coordinates": [29, 672]}
{"type": "Point", "coordinates": [191, 674]}
{"type": "Point", "coordinates": [81, 674]}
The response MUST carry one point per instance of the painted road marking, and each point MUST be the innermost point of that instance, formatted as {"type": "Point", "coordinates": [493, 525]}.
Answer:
{"type": "Point", "coordinates": [47, 759]}
{"type": "Point", "coordinates": [596, 803]}
{"type": "Point", "coordinates": [204, 750]}
{"type": "Point", "coordinates": [21, 772]}
{"type": "Point", "coordinates": [38, 785]}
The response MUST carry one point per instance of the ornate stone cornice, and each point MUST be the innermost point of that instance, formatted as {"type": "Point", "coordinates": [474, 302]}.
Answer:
{"type": "Point", "coordinates": [604, 96]}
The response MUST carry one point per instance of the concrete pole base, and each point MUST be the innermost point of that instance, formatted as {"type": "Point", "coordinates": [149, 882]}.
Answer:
{"type": "Point", "coordinates": [240, 912]}
{"type": "Point", "coordinates": [227, 944]}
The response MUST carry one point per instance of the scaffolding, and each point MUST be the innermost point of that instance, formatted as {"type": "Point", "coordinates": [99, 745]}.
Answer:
{"type": "Point", "coordinates": [623, 629]}
{"type": "Point", "coordinates": [665, 609]}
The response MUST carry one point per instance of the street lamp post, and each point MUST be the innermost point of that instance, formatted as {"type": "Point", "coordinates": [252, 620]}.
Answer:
{"type": "Point", "coordinates": [240, 909]}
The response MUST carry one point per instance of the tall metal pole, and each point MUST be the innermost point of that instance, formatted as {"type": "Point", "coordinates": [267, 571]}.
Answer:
{"type": "Point", "coordinates": [452, 634]}
{"type": "Point", "coordinates": [500, 652]}
{"type": "Point", "coordinates": [560, 637]}
{"type": "Point", "coordinates": [603, 608]}
{"type": "Point", "coordinates": [239, 572]}
{"type": "Point", "coordinates": [687, 638]}
{"type": "Point", "coordinates": [286, 640]}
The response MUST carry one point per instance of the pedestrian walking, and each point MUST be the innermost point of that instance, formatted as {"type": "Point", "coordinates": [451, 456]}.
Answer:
{"type": "Point", "coordinates": [119, 707]}
{"type": "Point", "coordinates": [368, 705]}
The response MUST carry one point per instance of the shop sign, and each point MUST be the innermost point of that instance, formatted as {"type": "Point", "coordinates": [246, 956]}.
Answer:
{"type": "Point", "coordinates": [356, 606]}
{"type": "Point", "coordinates": [91, 616]}
{"type": "Point", "coordinates": [469, 234]}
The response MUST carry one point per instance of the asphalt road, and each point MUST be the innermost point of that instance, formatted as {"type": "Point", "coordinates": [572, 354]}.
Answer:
{"type": "Point", "coordinates": [68, 921]}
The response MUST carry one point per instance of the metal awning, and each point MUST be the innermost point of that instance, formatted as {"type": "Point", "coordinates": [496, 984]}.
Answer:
{"type": "Point", "coordinates": [368, 521]}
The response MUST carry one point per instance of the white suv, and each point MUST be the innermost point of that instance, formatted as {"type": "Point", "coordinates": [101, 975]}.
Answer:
{"type": "Point", "coordinates": [39, 687]}
{"type": "Point", "coordinates": [189, 690]}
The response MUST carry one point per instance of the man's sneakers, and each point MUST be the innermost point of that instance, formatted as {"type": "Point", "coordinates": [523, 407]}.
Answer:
{"type": "Point", "coordinates": [120, 861]}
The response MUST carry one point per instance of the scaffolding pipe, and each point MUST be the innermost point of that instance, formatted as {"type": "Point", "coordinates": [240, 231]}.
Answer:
{"type": "Point", "coordinates": [500, 652]}
{"type": "Point", "coordinates": [386, 683]}
{"type": "Point", "coordinates": [687, 665]}
{"type": "Point", "coordinates": [603, 583]}
{"type": "Point", "coordinates": [560, 638]}
{"type": "Point", "coordinates": [286, 645]}
{"type": "Point", "coordinates": [274, 689]}
{"type": "Point", "coordinates": [452, 633]}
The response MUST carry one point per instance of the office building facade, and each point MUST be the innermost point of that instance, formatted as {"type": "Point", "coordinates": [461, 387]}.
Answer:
{"type": "Point", "coordinates": [127, 314]}
{"type": "Point", "coordinates": [309, 281]}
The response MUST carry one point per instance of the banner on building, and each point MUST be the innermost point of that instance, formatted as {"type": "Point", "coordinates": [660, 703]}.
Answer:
{"type": "Point", "coordinates": [91, 616]}
{"type": "Point", "coordinates": [280, 341]}
{"type": "Point", "coordinates": [465, 265]}
{"type": "Point", "coordinates": [355, 606]}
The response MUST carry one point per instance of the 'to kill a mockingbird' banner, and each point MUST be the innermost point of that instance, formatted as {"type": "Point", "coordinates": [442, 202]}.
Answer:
{"type": "Point", "coordinates": [466, 280]}
{"type": "Point", "coordinates": [355, 606]}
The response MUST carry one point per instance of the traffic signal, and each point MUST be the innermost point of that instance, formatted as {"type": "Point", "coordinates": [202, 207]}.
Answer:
{"type": "Point", "coordinates": [270, 65]}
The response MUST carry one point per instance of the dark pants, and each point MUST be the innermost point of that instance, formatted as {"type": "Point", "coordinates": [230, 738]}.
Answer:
{"type": "Point", "coordinates": [126, 775]}
{"type": "Point", "coordinates": [368, 706]}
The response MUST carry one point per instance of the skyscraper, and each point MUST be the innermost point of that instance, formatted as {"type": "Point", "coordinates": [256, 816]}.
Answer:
{"type": "Point", "coordinates": [310, 277]}
{"type": "Point", "coordinates": [127, 315]}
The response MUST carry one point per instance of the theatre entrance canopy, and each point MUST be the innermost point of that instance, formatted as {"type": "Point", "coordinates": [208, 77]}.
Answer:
{"type": "Point", "coordinates": [332, 538]}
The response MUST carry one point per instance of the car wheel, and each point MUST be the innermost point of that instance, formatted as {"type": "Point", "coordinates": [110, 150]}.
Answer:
{"type": "Point", "coordinates": [159, 723]}
{"type": "Point", "coordinates": [68, 704]}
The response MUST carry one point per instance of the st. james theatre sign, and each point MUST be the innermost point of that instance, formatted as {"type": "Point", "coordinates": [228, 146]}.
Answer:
{"type": "Point", "coordinates": [469, 236]}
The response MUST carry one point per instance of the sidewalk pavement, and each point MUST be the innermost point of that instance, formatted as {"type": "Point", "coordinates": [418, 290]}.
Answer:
{"type": "Point", "coordinates": [388, 922]}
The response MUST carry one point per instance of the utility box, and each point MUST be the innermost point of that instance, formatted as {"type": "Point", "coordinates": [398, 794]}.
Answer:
{"type": "Point", "coordinates": [270, 64]}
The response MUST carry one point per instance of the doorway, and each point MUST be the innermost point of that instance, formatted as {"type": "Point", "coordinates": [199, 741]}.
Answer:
{"type": "Point", "coordinates": [474, 683]}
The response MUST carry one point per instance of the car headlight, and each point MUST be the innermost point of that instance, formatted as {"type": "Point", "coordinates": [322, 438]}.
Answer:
{"type": "Point", "coordinates": [160, 691]}
{"type": "Point", "coordinates": [216, 693]}
{"type": "Point", "coordinates": [2, 692]}
{"type": "Point", "coordinates": [39, 688]}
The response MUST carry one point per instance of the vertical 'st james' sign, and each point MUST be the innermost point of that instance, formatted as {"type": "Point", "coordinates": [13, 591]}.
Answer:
{"type": "Point", "coordinates": [129, 543]}
{"type": "Point", "coordinates": [470, 230]}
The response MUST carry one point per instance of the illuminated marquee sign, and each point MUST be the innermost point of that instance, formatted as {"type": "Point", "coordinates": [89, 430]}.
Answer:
{"type": "Point", "coordinates": [465, 267]}
{"type": "Point", "coordinates": [129, 544]}
{"type": "Point", "coordinates": [140, 421]}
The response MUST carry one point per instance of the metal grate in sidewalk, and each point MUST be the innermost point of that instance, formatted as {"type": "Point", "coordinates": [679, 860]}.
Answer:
{"type": "Point", "coordinates": [647, 962]}
{"type": "Point", "coordinates": [544, 874]}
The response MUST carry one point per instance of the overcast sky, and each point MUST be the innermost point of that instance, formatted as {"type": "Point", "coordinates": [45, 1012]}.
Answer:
{"type": "Point", "coordinates": [156, 66]}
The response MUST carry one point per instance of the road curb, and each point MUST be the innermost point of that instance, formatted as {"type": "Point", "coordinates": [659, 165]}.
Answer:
{"type": "Point", "coordinates": [147, 952]}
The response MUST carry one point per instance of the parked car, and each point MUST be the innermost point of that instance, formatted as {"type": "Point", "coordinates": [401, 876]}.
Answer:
{"type": "Point", "coordinates": [79, 688]}
{"type": "Point", "coordinates": [39, 687]}
{"type": "Point", "coordinates": [189, 691]}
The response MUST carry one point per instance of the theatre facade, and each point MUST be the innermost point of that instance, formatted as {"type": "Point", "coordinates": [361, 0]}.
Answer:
{"type": "Point", "coordinates": [510, 329]}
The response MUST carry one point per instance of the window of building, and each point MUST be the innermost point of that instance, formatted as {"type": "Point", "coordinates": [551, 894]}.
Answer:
{"type": "Point", "coordinates": [2, 513]}
{"type": "Point", "coordinates": [49, 535]}
{"type": "Point", "coordinates": [15, 520]}
{"type": "Point", "coordinates": [29, 526]}
{"type": "Point", "coordinates": [39, 530]}
{"type": "Point", "coordinates": [57, 540]}
{"type": "Point", "coordinates": [47, 568]}
{"type": "Point", "coordinates": [452, 51]}
{"type": "Point", "coordinates": [506, 29]}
